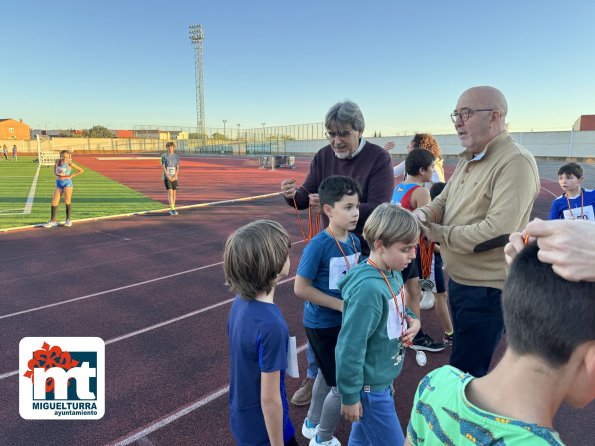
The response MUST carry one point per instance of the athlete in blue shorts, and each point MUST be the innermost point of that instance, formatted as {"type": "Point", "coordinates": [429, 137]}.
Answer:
{"type": "Point", "coordinates": [64, 176]}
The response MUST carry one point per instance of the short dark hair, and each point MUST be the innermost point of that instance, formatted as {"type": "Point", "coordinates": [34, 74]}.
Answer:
{"type": "Point", "coordinates": [537, 305]}
{"type": "Point", "coordinates": [418, 159]}
{"type": "Point", "coordinates": [571, 169]}
{"type": "Point", "coordinates": [170, 144]}
{"type": "Point", "coordinates": [335, 187]}
{"type": "Point", "coordinates": [254, 255]}
{"type": "Point", "coordinates": [436, 189]}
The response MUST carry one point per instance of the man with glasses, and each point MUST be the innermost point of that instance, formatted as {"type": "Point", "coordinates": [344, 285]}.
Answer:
{"type": "Point", "coordinates": [348, 154]}
{"type": "Point", "coordinates": [489, 196]}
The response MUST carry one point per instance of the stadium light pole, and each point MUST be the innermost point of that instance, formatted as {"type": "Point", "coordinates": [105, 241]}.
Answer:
{"type": "Point", "coordinates": [238, 124]}
{"type": "Point", "coordinates": [197, 36]}
{"type": "Point", "coordinates": [263, 134]}
{"type": "Point", "coordinates": [224, 122]}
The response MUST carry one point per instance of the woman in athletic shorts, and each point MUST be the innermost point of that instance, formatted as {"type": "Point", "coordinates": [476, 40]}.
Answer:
{"type": "Point", "coordinates": [63, 170]}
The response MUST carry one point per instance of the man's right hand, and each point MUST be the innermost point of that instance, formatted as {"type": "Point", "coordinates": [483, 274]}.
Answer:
{"type": "Point", "coordinates": [288, 188]}
{"type": "Point", "coordinates": [420, 216]}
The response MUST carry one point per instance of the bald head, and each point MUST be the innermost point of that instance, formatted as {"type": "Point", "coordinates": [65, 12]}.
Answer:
{"type": "Point", "coordinates": [488, 97]}
{"type": "Point", "coordinates": [486, 111]}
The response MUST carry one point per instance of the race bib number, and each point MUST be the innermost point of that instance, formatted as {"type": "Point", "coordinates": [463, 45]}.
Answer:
{"type": "Point", "coordinates": [338, 268]}
{"type": "Point", "coordinates": [395, 326]}
{"type": "Point", "coordinates": [587, 213]}
{"type": "Point", "coordinates": [171, 171]}
{"type": "Point", "coordinates": [61, 171]}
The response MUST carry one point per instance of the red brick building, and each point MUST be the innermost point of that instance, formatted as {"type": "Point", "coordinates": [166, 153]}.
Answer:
{"type": "Point", "coordinates": [585, 122]}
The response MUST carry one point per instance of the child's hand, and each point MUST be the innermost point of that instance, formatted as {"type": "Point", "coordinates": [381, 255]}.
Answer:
{"type": "Point", "coordinates": [414, 326]}
{"type": "Point", "coordinates": [352, 412]}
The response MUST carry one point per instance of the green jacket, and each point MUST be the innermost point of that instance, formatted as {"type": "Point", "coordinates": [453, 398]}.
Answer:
{"type": "Point", "coordinates": [366, 354]}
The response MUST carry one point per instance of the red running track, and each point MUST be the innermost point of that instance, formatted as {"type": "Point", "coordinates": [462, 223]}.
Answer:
{"type": "Point", "coordinates": [152, 287]}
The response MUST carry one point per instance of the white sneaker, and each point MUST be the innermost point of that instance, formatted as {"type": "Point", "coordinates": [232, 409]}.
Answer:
{"type": "Point", "coordinates": [332, 442]}
{"type": "Point", "coordinates": [67, 223]}
{"type": "Point", "coordinates": [427, 300]}
{"type": "Point", "coordinates": [309, 432]}
{"type": "Point", "coordinates": [50, 224]}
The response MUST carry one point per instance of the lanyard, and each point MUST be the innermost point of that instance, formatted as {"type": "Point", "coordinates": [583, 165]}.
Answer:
{"type": "Point", "coordinates": [425, 254]}
{"type": "Point", "coordinates": [401, 314]}
{"type": "Point", "coordinates": [582, 204]}
{"type": "Point", "coordinates": [313, 221]}
{"type": "Point", "coordinates": [341, 249]}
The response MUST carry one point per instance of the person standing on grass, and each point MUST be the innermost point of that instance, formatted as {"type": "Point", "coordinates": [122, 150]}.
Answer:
{"type": "Point", "coordinates": [489, 196]}
{"type": "Point", "coordinates": [5, 152]}
{"type": "Point", "coordinates": [14, 152]}
{"type": "Point", "coordinates": [63, 170]}
{"type": "Point", "coordinates": [170, 164]}
{"type": "Point", "coordinates": [256, 258]}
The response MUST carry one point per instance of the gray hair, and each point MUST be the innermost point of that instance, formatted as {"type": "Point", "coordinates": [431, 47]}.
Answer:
{"type": "Point", "coordinates": [342, 113]}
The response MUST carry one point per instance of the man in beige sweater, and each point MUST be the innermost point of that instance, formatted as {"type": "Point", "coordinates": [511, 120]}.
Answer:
{"type": "Point", "coordinates": [489, 196]}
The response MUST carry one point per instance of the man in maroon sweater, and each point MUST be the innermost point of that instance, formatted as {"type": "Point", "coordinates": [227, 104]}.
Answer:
{"type": "Point", "coordinates": [348, 154]}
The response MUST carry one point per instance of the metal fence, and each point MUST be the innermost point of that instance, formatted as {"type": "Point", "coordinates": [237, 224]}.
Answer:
{"type": "Point", "coordinates": [228, 140]}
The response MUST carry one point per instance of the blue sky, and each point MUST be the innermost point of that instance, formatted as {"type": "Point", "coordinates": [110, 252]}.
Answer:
{"type": "Point", "coordinates": [130, 62]}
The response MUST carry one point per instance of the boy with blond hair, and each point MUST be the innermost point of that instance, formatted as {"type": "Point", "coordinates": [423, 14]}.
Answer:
{"type": "Point", "coordinates": [377, 327]}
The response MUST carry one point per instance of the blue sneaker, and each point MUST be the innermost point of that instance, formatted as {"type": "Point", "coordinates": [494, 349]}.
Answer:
{"type": "Point", "coordinates": [309, 429]}
{"type": "Point", "coordinates": [332, 442]}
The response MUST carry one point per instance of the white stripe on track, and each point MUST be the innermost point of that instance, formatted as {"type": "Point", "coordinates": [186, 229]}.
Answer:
{"type": "Point", "coordinates": [160, 324]}
{"type": "Point", "coordinates": [31, 197]}
{"type": "Point", "coordinates": [132, 437]}
{"type": "Point", "coordinates": [55, 304]}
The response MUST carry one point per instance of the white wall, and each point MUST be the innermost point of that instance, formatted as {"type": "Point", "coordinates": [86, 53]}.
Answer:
{"type": "Point", "coordinates": [568, 144]}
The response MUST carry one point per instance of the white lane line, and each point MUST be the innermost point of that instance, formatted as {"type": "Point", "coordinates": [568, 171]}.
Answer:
{"type": "Point", "coordinates": [100, 293]}
{"type": "Point", "coordinates": [132, 437]}
{"type": "Point", "coordinates": [114, 235]}
{"type": "Point", "coordinates": [161, 324]}
{"type": "Point", "coordinates": [31, 197]}
{"type": "Point", "coordinates": [55, 304]}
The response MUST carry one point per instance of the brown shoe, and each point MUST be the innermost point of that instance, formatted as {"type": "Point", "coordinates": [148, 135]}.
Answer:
{"type": "Point", "coordinates": [303, 395]}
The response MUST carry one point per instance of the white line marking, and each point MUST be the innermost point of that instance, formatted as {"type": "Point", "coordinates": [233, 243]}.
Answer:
{"type": "Point", "coordinates": [179, 414]}
{"type": "Point", "coordinates": [31, 196]}
{"type": "Point", "coordinates": [161, 324]}
{"type": "Point", "coordinates": [55, 304]}
{"type": "Point", "coordinates": [114, 235]}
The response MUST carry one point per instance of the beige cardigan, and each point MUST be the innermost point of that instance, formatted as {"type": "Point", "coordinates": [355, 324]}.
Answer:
{"type": "Point", "coordinates": [482, 204]}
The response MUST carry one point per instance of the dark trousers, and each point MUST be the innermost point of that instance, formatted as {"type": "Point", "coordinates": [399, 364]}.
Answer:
{"type": "Point", "coordinates": [478, 326]}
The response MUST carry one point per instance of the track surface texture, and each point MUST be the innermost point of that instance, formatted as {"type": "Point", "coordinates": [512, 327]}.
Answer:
{"type": "Point", "coordinates": [152, 287]}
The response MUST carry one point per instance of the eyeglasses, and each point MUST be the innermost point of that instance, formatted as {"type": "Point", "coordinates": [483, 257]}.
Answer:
{"type": "Point", "coordinates": [341, 134]}
{"type": "Point", "coordinates": [466, 113]}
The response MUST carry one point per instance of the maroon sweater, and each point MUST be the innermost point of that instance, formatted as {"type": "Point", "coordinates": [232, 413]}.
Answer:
{"type": "Point", "coordinates": [372, 168]}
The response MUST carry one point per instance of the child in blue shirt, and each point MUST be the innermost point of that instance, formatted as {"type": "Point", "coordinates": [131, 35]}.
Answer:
{"type": "Point", "coordinates": [325, 260]}
{"type": "Point", "coordinates": [576, 202]}
{"type": "Point", "coordinates": [256, 258]}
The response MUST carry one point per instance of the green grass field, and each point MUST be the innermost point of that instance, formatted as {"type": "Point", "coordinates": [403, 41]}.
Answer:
{"type": "Point", "coordinates": [94, 195]}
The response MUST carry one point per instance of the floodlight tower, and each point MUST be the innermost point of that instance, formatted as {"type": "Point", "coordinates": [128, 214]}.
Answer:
{"type": "Point", "coordinates": [197, 35]}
